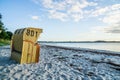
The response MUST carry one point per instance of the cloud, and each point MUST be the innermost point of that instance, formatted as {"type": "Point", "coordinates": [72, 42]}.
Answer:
{"type": "Point", "coordinates": [100, 11]}
{"type": "Point", "coordinates": [58, 15]}
{"type": "Point", "coordinates": [106, 10]}
{"type": "Point", "coordinates": [113, 20]}
{"type": "Point", "coordinates": [76, 10]}
{"type": "Point", "coordinates": [35, 17]}
{"type": "Point", "coordinates": [65, 9]}
{"type": "Point", "coordinates": [110, 16]}
{"type": "Point", "coordinates": [113, 29]}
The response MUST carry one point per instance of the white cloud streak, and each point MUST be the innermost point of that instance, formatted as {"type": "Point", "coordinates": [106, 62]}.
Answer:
{"type": "Point", "coordinates": [113, 29]}
{"type": "Point", "coordinates": [57, 15]}
{"type": "Point", "coordinates": [106, 10]}
{"type": "Point", "coordinates": [35, 17]}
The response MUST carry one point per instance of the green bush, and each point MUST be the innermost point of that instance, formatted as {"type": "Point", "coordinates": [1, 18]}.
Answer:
{"type": "Point", "coordinates": [5, 36]}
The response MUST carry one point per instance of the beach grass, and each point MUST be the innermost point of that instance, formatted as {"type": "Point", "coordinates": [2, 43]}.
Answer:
{"type": "Point", "coordinates": [4, 42]}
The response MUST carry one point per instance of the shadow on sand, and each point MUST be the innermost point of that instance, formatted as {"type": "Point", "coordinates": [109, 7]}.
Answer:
{"type": "Point", "coordinates": [6, 61]}
{"type": "Point", "coordinates": [5, 56]}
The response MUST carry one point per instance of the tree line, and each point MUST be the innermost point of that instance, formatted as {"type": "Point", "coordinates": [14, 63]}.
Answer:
{"type": "Point", "coordinates": [4, 33]}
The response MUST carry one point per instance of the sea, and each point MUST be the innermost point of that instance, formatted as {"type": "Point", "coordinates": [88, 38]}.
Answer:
{"type": "Point", "coordinates": [100, 46]}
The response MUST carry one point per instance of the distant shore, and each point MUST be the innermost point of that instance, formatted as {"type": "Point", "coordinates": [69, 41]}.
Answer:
{"type": "Point", "coordinates": [79, 41]}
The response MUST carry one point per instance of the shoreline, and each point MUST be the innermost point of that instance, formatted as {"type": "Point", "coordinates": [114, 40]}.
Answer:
{"type": "Point", "coordinates": [94, 51]}
{"type": "Point", "coordinates": [62, 63]}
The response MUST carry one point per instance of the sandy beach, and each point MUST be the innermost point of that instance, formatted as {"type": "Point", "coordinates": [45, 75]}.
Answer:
{"type": "Point", "coordinates": [62, 63]}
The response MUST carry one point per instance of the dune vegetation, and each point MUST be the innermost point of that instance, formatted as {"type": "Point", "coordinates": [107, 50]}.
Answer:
{"type": "Point", "coordinates": [5, 35]}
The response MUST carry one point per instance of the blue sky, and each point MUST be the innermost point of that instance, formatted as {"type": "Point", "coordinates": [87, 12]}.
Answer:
{"type": "Point", "coordinates": [65, 20]}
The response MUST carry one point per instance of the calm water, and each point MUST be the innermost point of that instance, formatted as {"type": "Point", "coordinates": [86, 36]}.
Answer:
{"type": "Point", "coordinates": [100, 46]}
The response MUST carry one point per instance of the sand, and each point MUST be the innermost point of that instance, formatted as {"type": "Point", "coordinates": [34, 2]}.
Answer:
{"type": "Point", "coordinates": [62, 63]}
